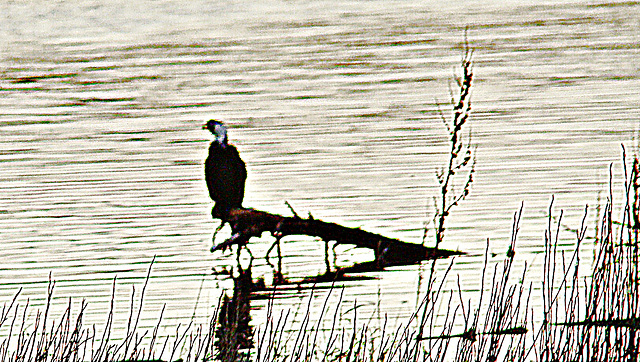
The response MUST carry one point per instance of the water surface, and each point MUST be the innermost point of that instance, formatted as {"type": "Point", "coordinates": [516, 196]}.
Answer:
{"type": "Point", "coordinates": [334, 106]}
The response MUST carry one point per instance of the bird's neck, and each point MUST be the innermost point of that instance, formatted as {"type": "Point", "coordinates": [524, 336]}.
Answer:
{"type": "Point", "coordinates": [221, 145]}
{"type": "Point", "coordinates": [221, 139]}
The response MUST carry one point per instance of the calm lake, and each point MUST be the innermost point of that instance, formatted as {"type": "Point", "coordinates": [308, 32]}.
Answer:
{"type": "Point", "coordinates": [334, 106]}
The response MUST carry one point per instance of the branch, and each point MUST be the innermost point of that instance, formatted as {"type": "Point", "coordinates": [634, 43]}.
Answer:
{"type": "Point", "coordinates": [248, 223]}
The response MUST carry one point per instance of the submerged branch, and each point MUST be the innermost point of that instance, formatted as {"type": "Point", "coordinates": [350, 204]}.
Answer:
{"type": "Point", "coordinates": [471, 334]}
{"type": "Point", "coordinates": [248, 223]}
{"type": "Point", "coordinates": [631, 323]}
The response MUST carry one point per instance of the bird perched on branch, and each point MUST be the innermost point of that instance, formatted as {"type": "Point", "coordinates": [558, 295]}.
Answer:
{"type": "Point", "coordinates": [224, 171]}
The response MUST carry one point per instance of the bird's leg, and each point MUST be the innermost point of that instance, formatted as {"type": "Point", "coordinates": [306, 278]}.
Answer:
{"type": "Point", "coordinates": [215, 233]}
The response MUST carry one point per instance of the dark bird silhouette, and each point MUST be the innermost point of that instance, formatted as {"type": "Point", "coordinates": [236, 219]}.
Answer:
{"type": "Point", "coordinates": [224, 171]}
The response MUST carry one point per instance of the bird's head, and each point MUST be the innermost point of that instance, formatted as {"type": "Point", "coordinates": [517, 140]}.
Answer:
{"type": "Point", "coordinates": [219, 131]}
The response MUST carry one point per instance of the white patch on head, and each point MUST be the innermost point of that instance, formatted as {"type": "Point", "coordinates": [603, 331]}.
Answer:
{"type": "Point", "coordinates": [220, 133]}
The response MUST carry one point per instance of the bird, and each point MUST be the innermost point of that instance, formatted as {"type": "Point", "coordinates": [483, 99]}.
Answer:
{"type": "Point", "coordinates": [224, 171]}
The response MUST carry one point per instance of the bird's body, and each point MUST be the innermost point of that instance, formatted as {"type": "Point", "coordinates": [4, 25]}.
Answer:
{"type": "Point", "coordinates": [225, 173]}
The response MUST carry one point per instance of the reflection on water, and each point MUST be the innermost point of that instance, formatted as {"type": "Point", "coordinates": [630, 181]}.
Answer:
{"type": "Point", "coordinates": [334, 107]}
{"type": "Point", "coordinates": [234, 332]}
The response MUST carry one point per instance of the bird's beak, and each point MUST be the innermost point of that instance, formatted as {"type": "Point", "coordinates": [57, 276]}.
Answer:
{"type": "Point", "coordinates": [204, 126]}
